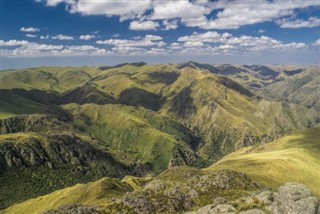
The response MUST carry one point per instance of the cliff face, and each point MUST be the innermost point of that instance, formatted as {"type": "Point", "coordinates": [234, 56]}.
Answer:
{"type": "Point", "coordinates": [55, 151]}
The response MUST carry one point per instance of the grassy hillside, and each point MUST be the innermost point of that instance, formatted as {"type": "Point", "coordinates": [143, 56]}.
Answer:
{"type": "Point", "coordinates": [42, 153]}
{"type": "Point", "coordinates": [135, 135]}
{"type": "Point", "coordinates": [96, 193]}
{"type": "Point", "coordinates": [163, 194]}
{"type": "Point", "coordinates": [12, 104]}
{"type": "Point", "coordinates": [295, 88]}
{"type": "Point", "coordinates": [144, 119]}
{"type": "Point", "coordinates": [292, 158]}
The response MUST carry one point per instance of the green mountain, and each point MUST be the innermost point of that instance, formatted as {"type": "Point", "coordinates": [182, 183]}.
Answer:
{"type": "Point", "coordinates": [66, 125]}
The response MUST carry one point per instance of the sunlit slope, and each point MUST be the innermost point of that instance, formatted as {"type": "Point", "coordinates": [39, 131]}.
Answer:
{"type": "Point", "coordinates": [170, 192]}
{"type": "Point", "coordinates": [56, 79]}
{"type": "Point", "coordinates": [294, 157]}
{"type": "Point", "coordinates": [224, 113]}
{"type": "Point", "coordinates": [135, 135]}
{"type": "Point", "coordinates": [95, 193]}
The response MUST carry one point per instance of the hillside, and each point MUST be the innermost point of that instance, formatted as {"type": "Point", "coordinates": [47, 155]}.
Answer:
{"type": "Point", "coordinates": [293, 157]}
{"type": "Point", "coordinates": [177, 190]}
{"type": "Point", "coordinates": [65, 125]}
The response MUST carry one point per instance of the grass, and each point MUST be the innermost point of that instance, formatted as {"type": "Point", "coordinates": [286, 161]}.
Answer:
{"type": "Point", "coordinates": [12, 104]}
{"type": "Point", "coordinates": [96, 193]}
{"type": "Point", "coordinates": [133, 135]}
{"type": "Point", "coordinates": [292, 158]}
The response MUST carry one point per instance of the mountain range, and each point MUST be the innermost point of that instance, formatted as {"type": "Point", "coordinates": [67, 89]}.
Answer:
{"type": "Point", "coordinates": [121, 138]}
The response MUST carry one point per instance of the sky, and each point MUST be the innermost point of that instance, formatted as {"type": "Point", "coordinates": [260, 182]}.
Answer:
{"type": "Point", "coordinates": [109, 32]}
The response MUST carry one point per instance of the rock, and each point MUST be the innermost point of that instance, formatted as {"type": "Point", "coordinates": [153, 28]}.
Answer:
{"type": "Point", "coordinates": [294, 198]}
{"type": "Point", "coordinates": [252, 211]}
{"type": "Point", "coordinates": [223, 208]}
{"type": "Point", "coordinates": [219, 200]}
{"type": "Point", "coordinates": [264, 197]}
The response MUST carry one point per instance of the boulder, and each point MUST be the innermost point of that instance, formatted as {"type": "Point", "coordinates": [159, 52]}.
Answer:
{"type": "Point", "coordinates": [294, 198]}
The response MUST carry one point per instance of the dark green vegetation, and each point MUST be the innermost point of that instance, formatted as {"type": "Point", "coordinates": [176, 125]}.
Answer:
{"type": "Point", "coordinates": [66, 125]}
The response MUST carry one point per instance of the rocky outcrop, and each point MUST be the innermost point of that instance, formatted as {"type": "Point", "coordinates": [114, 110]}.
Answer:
{"type": "Point", "coordinates": [55, 151]}
{"type": "Point", "coordinates": [33, 123]}
{"type": "Point", "coordinates": [291, 198]}
{"type": "Point", "coordinates": [294, 198]}
{"type": "Point", "coordinates": [160, 197]}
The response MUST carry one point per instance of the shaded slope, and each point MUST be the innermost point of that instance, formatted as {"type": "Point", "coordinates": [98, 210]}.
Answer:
{"type": "Point", "coordinates": [303, 88]}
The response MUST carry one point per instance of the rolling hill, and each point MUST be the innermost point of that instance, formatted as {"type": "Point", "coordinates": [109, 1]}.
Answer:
{"type": "Point", "coordinates": [292, 158]}
{"type": "Point", "coordinates": [66, 125]}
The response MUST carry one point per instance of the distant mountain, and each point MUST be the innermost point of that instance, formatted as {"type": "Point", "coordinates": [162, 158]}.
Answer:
{"type": "Point", "coordinates": [302, 88]}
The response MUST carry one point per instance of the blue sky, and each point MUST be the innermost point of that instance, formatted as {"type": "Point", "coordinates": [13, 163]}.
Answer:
{"type": "Point", "coordinates": [106, 32]}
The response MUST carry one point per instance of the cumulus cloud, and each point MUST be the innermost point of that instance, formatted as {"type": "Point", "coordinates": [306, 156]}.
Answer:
{"type": "Point", "coordinates": [317, 42]}
{"type": "Point", "coordinates": [204, 43]}
{"type": "Point", "coordinates": [62, 37]}
{"type": "Point", "coordinates": [299, 23]}
{"type": "Point", "coordinates": [170, 24]}
{"type": "Point", "coordinates": [29, 29]}
{"type": "Point", "coordinates": [13, 43]}
{"type": "Point", "coordinates": [22, 48]}
{"type": "Point", "coordinates": [86, 37]}
{"type": "Point", "coordinates": [228, 14]}
{"type": "Point", "coordinates": [31, 35]}
{"type": "Point", "coordinates": [143, 25]}
{"type": "Point", "coordinates": [44, 37]}
{"type": "Point", "coordinates": [178, 9]}
{"type": "Point", "coordinates": [125, 9]}
{"type": "Point", "coordinates": [148, 40]}
{"type": "Point", "coordinates": [227, 42]}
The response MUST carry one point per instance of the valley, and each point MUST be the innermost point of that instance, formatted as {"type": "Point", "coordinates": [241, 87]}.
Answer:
{"type": "Point", "coordinates": [144, 131]}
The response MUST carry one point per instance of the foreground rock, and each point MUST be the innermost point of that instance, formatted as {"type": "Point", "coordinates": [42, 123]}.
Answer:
{"type": "Point", "coordinates": [291, 198]}
{"type": "Point", "coordinates": [193, 191]}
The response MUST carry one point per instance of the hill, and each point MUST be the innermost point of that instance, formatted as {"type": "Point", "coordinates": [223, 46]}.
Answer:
{"type": "Point", "coordinates": [135, 119]}
{"type": "Point", "coordinates": [292, 158]}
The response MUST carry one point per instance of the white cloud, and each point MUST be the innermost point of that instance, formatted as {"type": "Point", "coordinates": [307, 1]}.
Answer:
{"type": "Point", "coordinates": [170, 25]}
{"type": "Point", "coordinates": [13, 42]}
{"type": "Point", "coordinates": [86, 37]}
{"type": "Point", "coordinates": [31, 35]}
{"type": "Point", "coordinates": [143, 25]}
{"type": "Point", "coordinates": [317, 42]}
{"type": "Point", "coordinates": [218, 41]}
{"type": "Point", "coordinates": [261, 31]}
{"type": "Point", "coordinates": [178, 9]}
{"type": "Point", "coordinates": [148, 40]}
{"type": "Point", "coordinates": [144, 14]}
{"type": "Point", "coordinates": [153, 37]}
{"type": "Point", "coordinates": [210, 36]}
{"type": "Point", "coordinates": [31, 49]}
{"type": "Point", "coordinates": [29, 29]}
{"type": "Point", "coordinates": [205, 44]}
{"type": "Point", "coordinates": [62, 37]}
{"type": "Point", "coordinates": [193, 44]}
{"type": "Point", "coordinates": [45, 37]}
{"type": "Point", "coordinates": [235, 14]}
{"type": "Point", "coordinates": [116, 35]}
{"type": "Point", "coordinates": [299, 23]}
{"type": "Point", "coordinates": [125, 9]}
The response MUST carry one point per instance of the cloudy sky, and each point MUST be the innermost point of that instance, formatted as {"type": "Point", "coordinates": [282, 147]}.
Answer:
{"type": "Point", "coordinates": [96, 32]}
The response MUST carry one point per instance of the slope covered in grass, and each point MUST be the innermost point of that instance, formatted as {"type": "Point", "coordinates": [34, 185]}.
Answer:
{"type": "Point", "coordinates": [96, 193]}
{"type": "Point", "coordinates": [292, 158]}
{"type": "Point", "coordinates": [12, 104]}
{"type": "Point", "coordinates": [155, 195]}
{"type": "Point", "coordinates": [136, 135]}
